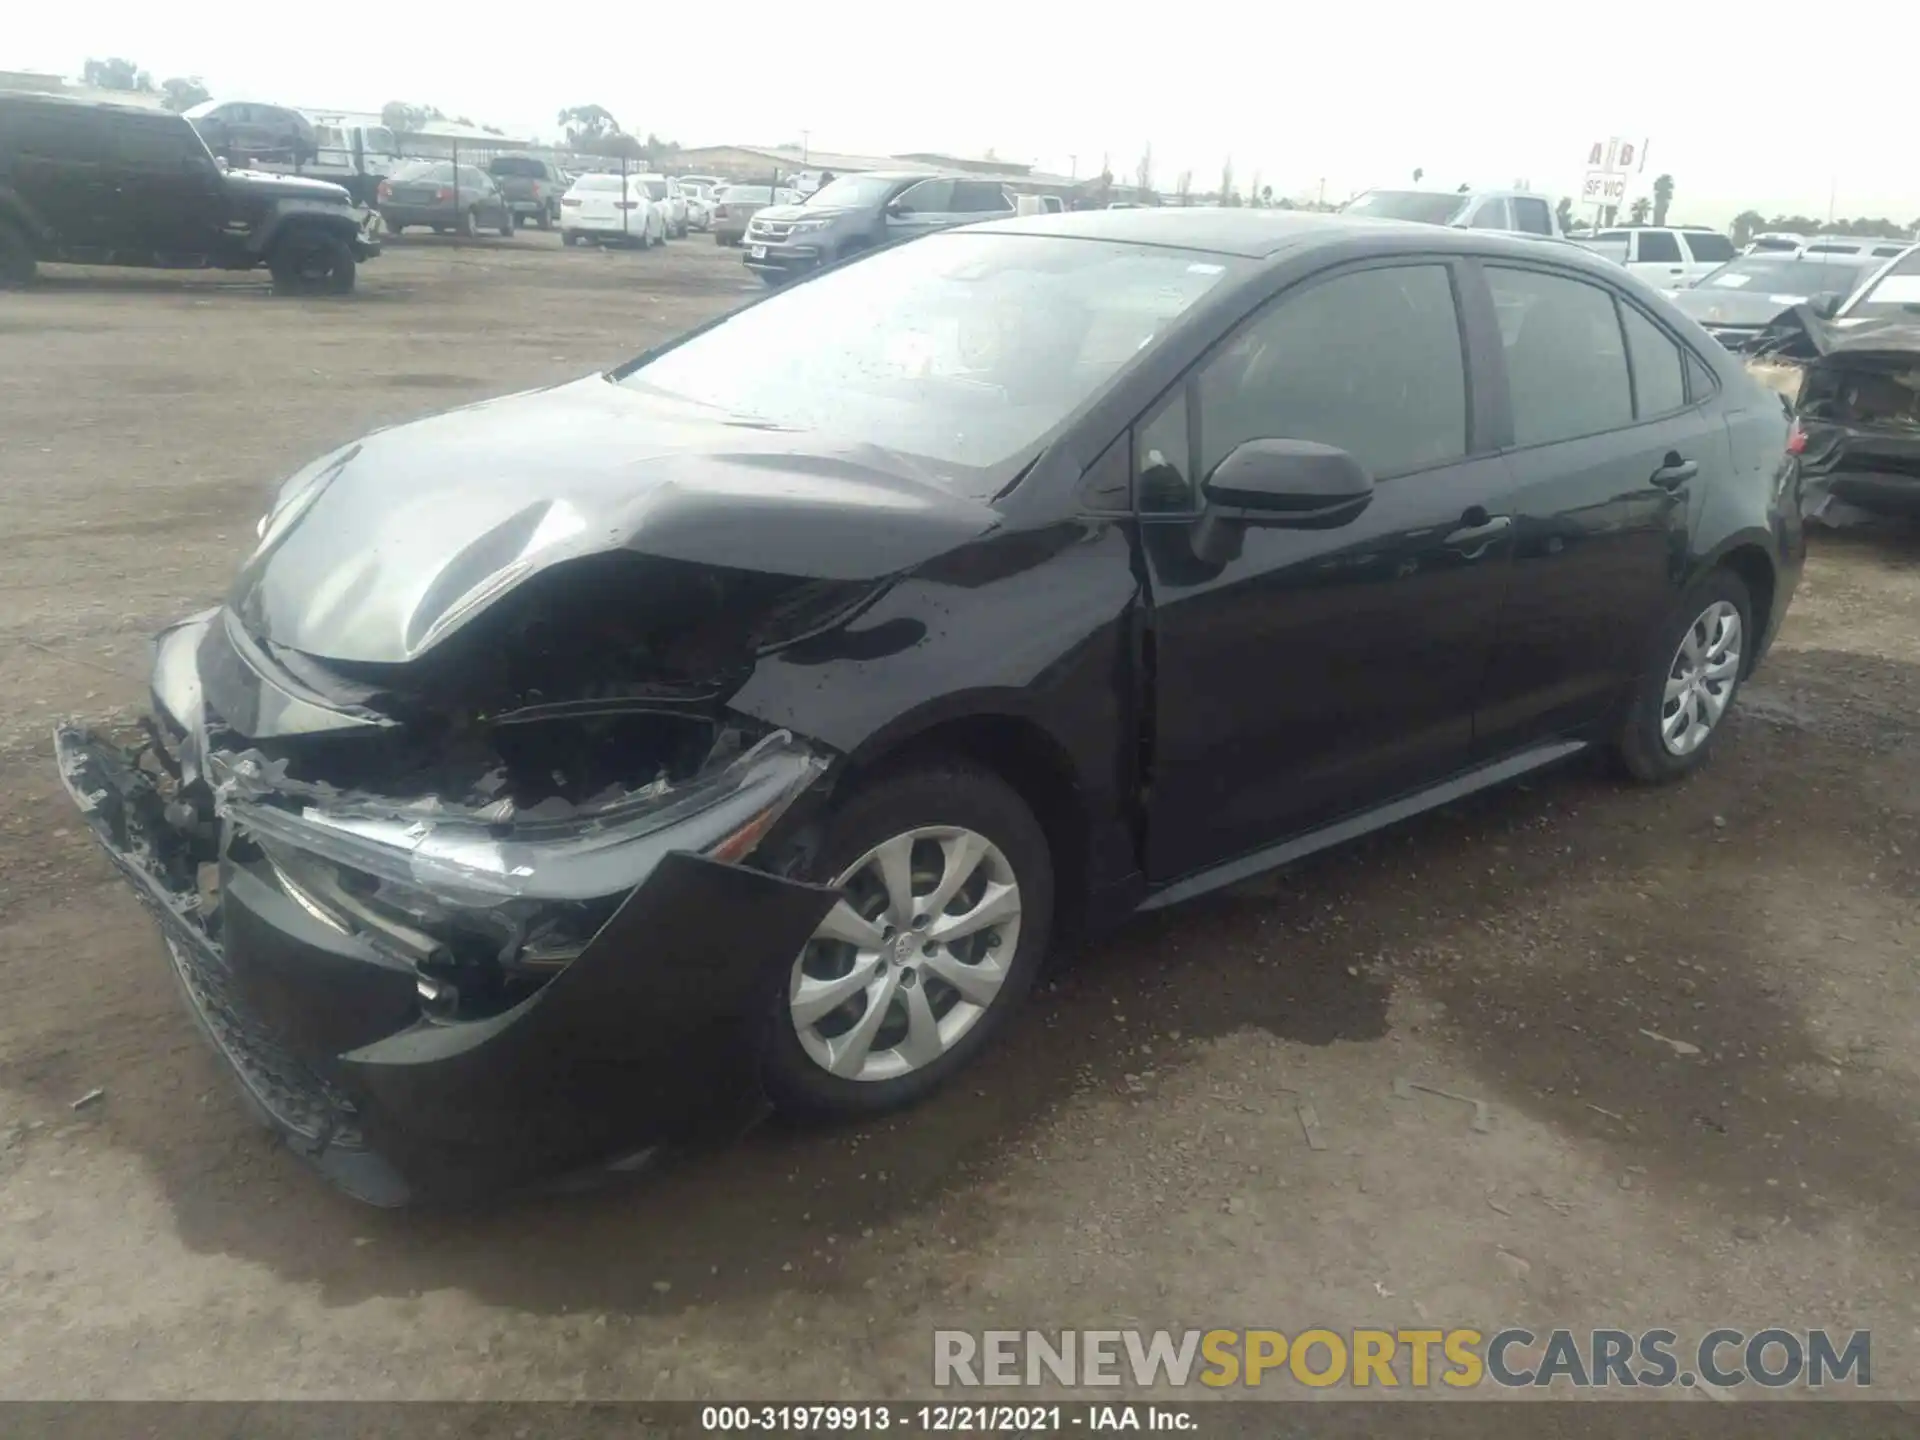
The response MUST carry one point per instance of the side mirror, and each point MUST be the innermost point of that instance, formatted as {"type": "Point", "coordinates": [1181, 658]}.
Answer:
{"type": "Point", "coordinates": [1828, 304]}
{"type": "Point", "coordinates": [221, 161]}
{"type": "Point", "coordinates": [898, 211]}
{"type": "Point", "coordinates": [1289, 482]}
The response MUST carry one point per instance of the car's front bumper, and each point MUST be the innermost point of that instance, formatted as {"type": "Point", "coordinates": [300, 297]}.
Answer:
{"type": "Point", "coordinates": [781, 258]}
{"type": "Point", "coordinates": [647, 1036]}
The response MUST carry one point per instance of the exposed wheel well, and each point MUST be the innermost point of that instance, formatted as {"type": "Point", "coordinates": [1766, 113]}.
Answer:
{"type": "Point", "coordinates": [1751, 564]}
{"type": "Point", "coordinates": [1029, 760]}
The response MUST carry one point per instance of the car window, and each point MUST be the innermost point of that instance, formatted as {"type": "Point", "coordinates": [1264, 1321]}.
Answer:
{"type": "Point", "coordinates": [599, 182]}
{"type": "Point", "coordinates": [1531, 215]}
{"type": "Point", "coordinates": [159, 143]}
{"type": "Point", "coordinates": [379, 140]}
{"type": "Point", "coordinates": [1163, 458]}
{"type": "Point", "coordinates": [1566, 361]}
{"type": "Point", "coordinates": [1659, 368]}
{"type": "Point", "coordinates": [69, 136]}
{"type": "Point", "coordinates": [1368, 361]}
{"type": "Point", "coordinates": [1832, 249]}
{"type": "Point", "coordinates": [975, 197]}
{"type": "Point", "coordinates": [1659, 247]}
{"type": "Point", "coordinates": [656, 189]}
{"type": "Point", "coordinates": [1895, 295]}
{"type": "Point", "coordinates": [473, 178]}
{"type": "Point", "coordinates": [1700, 381]}
{"type": "Point", "coordinates": [1887, 252]}
{"type": "Point", "coordinates": [1710, 246]}
{"type": "Point", "coordinates": [425, 172]}
{"type": "Point", "coordinates": [1489, 215]}
{"type": "Point", "coordinates": [929, 197]}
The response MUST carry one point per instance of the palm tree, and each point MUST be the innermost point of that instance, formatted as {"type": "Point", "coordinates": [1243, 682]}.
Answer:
{"type": "Point", "coordinates": [1641, 209]}
{"type": "Point", "coordinates": [1746, 225]}
{"type": "Point", "coordinates": [1662, 198]}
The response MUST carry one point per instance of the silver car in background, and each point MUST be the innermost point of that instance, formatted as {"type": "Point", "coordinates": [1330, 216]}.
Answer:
{"type": "Point", "coordinates": [1737, 302]}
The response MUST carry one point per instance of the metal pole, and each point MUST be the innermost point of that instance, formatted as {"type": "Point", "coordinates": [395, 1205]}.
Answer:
{"type": "Point", "coordinates": [456, 186]}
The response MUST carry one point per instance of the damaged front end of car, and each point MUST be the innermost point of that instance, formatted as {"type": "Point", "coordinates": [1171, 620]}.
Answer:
{"type": "Point", "coordinates": [1855, 389]}
{"type": "Point", "coordinates": [451, 952]}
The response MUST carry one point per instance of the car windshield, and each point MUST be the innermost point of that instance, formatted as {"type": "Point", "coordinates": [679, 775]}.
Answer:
{"type": "Point", "coordinates": [961, 349]}
{"type": "Point", "coordinates": [599, 182]}
{"type": "Point", "coordinates": [1895, 295]}
{"type": "Point", "coordinates": [1422, 205]}
{"type": "Point", "coordinates": [853, 191]}
{"type": "Point", "coordinates": [1777, 275]}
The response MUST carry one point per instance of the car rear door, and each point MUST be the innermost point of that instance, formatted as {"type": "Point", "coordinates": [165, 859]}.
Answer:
{"type": "Point", "coordinates": [168, 197]}
{"type": "Point", "coordinates": [1609, 440]}
{"type": "Point", "coordinates": [63, 173]}
{"type": "Point", "coordinates": [1658, 259]}
{"type": "Point", "coordinates": [1707, 251]}
{"type": "Point", "coordinates": [1302, 674]}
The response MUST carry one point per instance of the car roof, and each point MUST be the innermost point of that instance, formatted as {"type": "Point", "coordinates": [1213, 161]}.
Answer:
{"type": "Point", "coordinates": [82, 102]}
{"type": "Point", "coordinates": [1259, 233]}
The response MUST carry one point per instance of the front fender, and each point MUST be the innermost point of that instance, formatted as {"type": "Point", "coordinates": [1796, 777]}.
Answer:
{"type": "Point", "coordinates": [290, 213]}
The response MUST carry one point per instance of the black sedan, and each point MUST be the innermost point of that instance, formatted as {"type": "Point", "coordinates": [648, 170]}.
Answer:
{"type": "Point", "coordinates": [447, 198]}
{"type": "Point", "coordinates": [576, 773]}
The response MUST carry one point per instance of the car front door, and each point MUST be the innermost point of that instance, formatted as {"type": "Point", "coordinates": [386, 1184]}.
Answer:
{"type": "Point", "coordinates": [1658, 259]}
{"type": "Point", "coordinates": [1305, 670]}
{"type": "Point", "coordinates": [921, 208]}
{"type": "Point", "coordinates": [1609, 441]}
{"type": "Point", "coordinates": [169, 199]}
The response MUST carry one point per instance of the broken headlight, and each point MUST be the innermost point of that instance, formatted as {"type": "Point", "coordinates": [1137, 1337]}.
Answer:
{"type": "Point", "coordinates": [446, 888]}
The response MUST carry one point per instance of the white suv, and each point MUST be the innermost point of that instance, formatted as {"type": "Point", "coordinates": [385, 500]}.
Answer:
{"type": "Point", "coordinates": [1667, 257]}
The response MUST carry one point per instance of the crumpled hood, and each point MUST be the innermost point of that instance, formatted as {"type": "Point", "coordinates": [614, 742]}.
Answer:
{"type": "Point", "coordinates": [380, 551]}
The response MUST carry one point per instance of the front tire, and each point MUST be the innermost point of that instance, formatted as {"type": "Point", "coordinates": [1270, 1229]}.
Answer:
{"type": "Point", "coordinates": [948, 914]}
{"type": "Point", "coordinates": [1689, 678]}
{"type": "Point", "coordinates": [312, 264]}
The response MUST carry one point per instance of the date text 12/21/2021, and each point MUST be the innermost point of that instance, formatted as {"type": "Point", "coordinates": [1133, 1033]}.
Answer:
{"type": "Point", "coordinates": [943, 1419]}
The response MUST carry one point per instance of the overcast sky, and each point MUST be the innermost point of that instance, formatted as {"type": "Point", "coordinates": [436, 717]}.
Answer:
{"type": "Point", "coordinates": [1479, 91]}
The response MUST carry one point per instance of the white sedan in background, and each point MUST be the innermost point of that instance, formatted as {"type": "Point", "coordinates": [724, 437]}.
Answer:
{"type": "Point", "coordinates": [612, 209]}
{"type": "Point", "coordinates": [666, 193]}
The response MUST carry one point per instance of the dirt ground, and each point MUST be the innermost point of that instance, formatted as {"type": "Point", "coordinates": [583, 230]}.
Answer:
{"type": "Point", "coordinates": [1132, 1155]}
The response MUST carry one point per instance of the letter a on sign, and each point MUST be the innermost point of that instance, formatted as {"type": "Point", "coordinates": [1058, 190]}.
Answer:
{"type": "Point", "coordinates": [1593, 155]}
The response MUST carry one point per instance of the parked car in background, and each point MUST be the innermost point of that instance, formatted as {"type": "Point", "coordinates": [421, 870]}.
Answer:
{"type": "Point", "coordinates": [666, 193]}
{"type": "Point", "coordinates": [246, 133]}
{"type": "Point", "coordinates": [1737, 302]}
{"type": "Point", "coordinates": [1773, 240]}
{"type": "Point", "coordinates": [532, 185]}
{"type": "Point", "coordinates": [1516, 210]}
{"type": "Point", "coordinates": [90, 183]}
{"type": "Point", "coordinates": [449, 198]}
{"type": "Point", "coordinates": [735, 205]}
{"type": "Point", "coordinates": [1890, 292]}
{"type": "Point", "coordinates": [707, 183]}
{"type": "Point", "coordinates": [699, 210]}
{"type": "Point", "coordinates": [856, 213]}
{"type": "Point", "coordinates": [1666, 257]}
{"type": "Point", "coordinates": [1862, 248]}
{"type": "Point", "coordinates": [612, 209]}
{"type": "Point", "coordinates": [573, 773]}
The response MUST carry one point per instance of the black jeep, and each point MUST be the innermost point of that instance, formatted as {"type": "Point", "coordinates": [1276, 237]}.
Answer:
{"type": "Point", "coordinates": [89, 183]}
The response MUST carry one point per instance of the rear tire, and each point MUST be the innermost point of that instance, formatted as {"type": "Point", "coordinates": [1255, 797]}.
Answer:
{"type": "Point", "coordinates": [17, 263]}
{"type": "Point", "coordinates": [1690, 676]}
{"type": "Point", "coordinates": [544, 220]}
{"type": "Point", "coordinates": [973, 806]}
{"type": "Point", "coordinates": [312, 263]}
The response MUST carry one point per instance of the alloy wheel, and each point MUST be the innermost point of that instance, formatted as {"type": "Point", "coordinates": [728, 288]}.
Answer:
{"type": "Point", "coordinates": [911, 958]}
{"type": "Point", "coordinates": [1701, 679]}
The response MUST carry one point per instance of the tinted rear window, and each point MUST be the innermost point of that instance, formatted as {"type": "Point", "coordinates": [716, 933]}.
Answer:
{"type": "Point", "coordinates": [1709, 246]}
{"type": "Point", "coordinates": [434, 171]}
{"type": "Point", "coordinates": [519, 167]}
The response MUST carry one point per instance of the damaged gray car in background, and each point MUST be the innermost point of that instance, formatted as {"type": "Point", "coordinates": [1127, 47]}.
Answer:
{"type": "Point", "coordinates": [1852, 377]}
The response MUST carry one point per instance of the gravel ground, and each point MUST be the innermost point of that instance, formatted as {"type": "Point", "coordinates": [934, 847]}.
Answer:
{"type": "Point", "coordinates": [1133, 1154]}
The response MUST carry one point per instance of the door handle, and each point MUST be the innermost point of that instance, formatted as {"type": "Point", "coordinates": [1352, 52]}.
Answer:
{"type": "Point", "coordinates": [1478, 530]}
{"type": "Point", "coordinates": [1674, 472]}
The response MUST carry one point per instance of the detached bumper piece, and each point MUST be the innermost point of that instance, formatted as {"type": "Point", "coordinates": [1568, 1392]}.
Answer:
{"type": "Point", "coordinates": [641, 1035]}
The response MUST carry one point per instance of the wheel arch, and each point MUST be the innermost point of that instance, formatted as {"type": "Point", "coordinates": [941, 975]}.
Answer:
{"type": "Point", "coordinates": [1749, 556]}
{"type": "Point", "coordinates": [1022, 752]}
